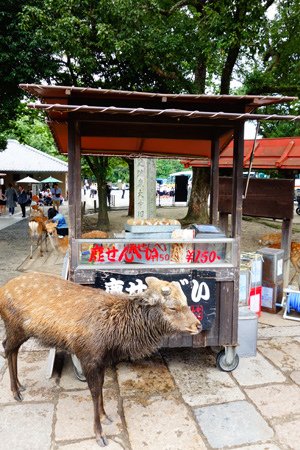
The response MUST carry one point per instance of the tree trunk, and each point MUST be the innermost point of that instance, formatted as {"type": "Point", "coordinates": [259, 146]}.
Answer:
{"type": "Point", "coordinates": [232, 55]}
{"type": "Point", "coordinates": [102, 219]}
{"type": "Point", "coordinates": [98, 166]}
{"type": "Point", "coordinates": [200, 76]}
{"type": "Point", "coordinates": [198, 206]}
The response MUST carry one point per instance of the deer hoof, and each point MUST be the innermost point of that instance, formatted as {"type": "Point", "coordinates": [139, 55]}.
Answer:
{"type": "Point", "coordinates": [18, 396]}
{"type": "Point", "coordinates": [102, 441]}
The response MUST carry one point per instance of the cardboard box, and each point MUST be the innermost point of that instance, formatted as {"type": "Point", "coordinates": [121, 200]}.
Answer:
{"type": "Point", "coordinates": [272, 293]}
{"type": "Point", "coordinates": [254, 263]}
{"type": "Point", "coordinates": [272, 270]}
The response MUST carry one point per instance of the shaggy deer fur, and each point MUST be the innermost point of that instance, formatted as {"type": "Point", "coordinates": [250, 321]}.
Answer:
{"type": "Point", "coordinates": [98, 327]}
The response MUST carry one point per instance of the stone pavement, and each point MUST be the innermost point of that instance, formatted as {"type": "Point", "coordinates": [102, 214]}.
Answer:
{"type": "Point", "coordinates": [175, 400]}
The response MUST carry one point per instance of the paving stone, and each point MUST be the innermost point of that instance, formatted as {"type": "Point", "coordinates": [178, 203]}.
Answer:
{"type": "Point", "coordinates": [33, 345]}
{"type": "Point", "coordinates": [144, 378]}
{"type": "Point", "coordinates": [161, 424]}
{"type": "Point", "coordinates": [283, 352]}
{"type": "Point", "coordinates": [31, 370]}
{"type": "Point", "coordinates": [277, 400]}
{"type": "Point", "coordinates": [26, 426]}
{"type": "Point", "coordinates": [288, 434]}
{"type": "Point", "coordinates": [256, 370]}
{"type": "Point", "coordinates": [274, 320]}
{"type": "Point", "coordinates": [232, 424]}
{"type": "Point", "coordinates": [2, 362]}
{"type": "Point", "coordinates": [2, 334]}
{"type": "Point", "coordinates": [75, 415]}
{"type": "Point", "coordinates": [69, 381]}
{"type": "Point", "coordinates": [295, 376]}
{"type": "Point", "coordinates": [199, 383]}
{"type": "Point", "coordinates": [269, 332]}
{"type": "Point", "coordinates": [267, 446]}
{"type": "Point", "coordinates": [90, 444]}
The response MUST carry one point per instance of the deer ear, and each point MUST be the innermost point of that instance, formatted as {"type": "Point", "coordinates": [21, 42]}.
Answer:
{"type": "Point", "coordinates": [152, 283]}
{"type": "Point", "coordinates": [178, 293]}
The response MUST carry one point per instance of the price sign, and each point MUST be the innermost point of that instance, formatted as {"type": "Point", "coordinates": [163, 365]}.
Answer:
{"type": "Point", "coordinates": [198, 287]}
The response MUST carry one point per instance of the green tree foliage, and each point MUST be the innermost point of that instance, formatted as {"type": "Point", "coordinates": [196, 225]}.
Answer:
{"type": "Point", "coordinates": [191, 46]}
{"type": "Point", "coordinates": [166, 166]}
{"type": "Point", "coordinates": [281, 128]}
{"type": "Point", "coordinates": [23, 59]}
{"type": "Point", "coordinates": [277, 69]}
{"type": "Point", "coordinates": [29, 127]}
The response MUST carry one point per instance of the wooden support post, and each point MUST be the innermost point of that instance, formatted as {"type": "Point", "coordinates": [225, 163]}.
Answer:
{"type": "Point", "coordinates": [74, 189]}
{"type": "Point", "coordinates": [237, 181]}
{"type": "Point", "coordinates": [223, 222]}
{"type": "Point", "coordinates": [236, 218]}
{"type": "Point", "coordinates": [286, 246]}
{"type": "Point", "coordinates": [214, 181]}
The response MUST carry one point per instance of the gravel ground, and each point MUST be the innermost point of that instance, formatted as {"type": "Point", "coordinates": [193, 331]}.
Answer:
{"type": "Point", "coordinates": [14, 249]}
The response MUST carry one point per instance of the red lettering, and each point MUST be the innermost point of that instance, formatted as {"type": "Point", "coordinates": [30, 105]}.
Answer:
{"type": "Point", "coordinates": [97, 253]}
{"type": "Point", "coordinates": [204, 257]}
{"type": "Point", "coordinates": [130, 252]}
{"type": "Point", "coordinates": [190, 256]}
{"type": "Point", "coordinates": [111, 253]}
{"type": "Point", "coordinates": [212, 256]}
{"type": "Point", "coordinates": [198, 311]}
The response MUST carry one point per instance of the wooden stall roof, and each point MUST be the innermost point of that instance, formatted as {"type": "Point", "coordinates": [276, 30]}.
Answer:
{"type": "Point", "coordinates": [128, 123]}
{"type": "Point", "coordinates": [269, 153]}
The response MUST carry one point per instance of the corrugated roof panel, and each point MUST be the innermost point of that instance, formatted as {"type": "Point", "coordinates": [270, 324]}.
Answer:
{"type": "Point", "coordinates": [270, 153]}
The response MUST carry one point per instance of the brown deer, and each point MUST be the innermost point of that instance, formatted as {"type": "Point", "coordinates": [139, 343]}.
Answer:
{"type": "Point", "coordinates": [62, 243]}
{"type": "Point", "coordinates": [38, 232]}
{"type": "Point", "coordinates": [100, 328]}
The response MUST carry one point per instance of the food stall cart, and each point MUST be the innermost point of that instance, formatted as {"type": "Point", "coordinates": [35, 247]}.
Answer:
{"type": "Point", "coordinates": [86, 121]}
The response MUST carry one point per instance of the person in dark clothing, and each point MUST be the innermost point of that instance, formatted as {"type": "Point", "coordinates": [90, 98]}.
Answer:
{"type": "Point", "coordinates": [22, 200]}
{"type": "Point", "coordinates": [62, 226]}
{"type": "Point", "coordinates": [51, 213]}
{"type": "Point", "coordinates": [11, 198]}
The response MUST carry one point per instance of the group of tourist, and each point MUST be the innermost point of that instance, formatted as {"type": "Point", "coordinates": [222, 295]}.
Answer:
{"type": "Point", "coordinates": [51, 196]}
{"type": "Point", "coordinates": [11, 197]}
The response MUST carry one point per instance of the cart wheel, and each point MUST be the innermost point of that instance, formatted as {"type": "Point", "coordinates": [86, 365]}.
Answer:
{"type": "Point", "coordinates": [223, 365]}
{"type": "Point", "coordinates": [298, 211]}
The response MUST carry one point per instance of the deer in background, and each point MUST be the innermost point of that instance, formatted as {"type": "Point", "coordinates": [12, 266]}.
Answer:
{"type": "Point", "coordinates": [38, 232]}
{"type": "Point", "coordinates": [273, 240]}
{"type": "Point", "coordinates": [62, 243]}
{"type": "Point", "coordinates": [39, 227]}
